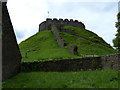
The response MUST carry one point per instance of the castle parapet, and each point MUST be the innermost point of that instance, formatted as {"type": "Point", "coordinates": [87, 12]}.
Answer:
{"type": "Point", "coordinates": [66, 20]}
{"type": "Point", "coordinates": [61, 21]}
{"type": "Point", "coordinates": [71, 20]}
{"type": "Point", "coordinates": [46, 25]}
{"type": "Point", "coordinates": [55, 20]}
{"type": "Point", "coordinates": [76, 21]}
{"type": "Point", "coordinates": [49, 20]}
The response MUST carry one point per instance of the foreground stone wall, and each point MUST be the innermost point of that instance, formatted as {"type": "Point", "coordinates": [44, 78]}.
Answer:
{"type": "Point", "coordinates": [11, 57]}
{"type": "Point", "coordinates": [46, 25]}
{"type": "Point", "coordinates": [111, 61]}
{"type": "Point", "coordinates": [88, 63]}
{"type": "Point", "coordinates": [63, 65]}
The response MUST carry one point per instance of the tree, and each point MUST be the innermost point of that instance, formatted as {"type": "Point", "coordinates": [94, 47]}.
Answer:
{"type": "Point", "coordinates": [116, 41]}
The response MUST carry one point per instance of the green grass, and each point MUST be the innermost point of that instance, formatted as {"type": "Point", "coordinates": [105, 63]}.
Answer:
{"type": "Point", "coordinates": [85, 46]}
{"type": "Point", "coordinates": [41, 46]}
{"type": "Point", "coordinates": [81, 79]}
{"type": "Point", "coordinates": [87, 34]}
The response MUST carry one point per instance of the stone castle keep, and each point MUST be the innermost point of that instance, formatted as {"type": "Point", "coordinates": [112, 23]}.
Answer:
{"type": "Point", "coordinates": [46, 25]}
{"type": "Point", "coordinates": [56, 26]}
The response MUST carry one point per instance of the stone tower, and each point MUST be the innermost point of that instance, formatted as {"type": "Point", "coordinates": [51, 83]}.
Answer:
{"type": "Point", "coordinates": [46, 25]}
{"type": "Point", "coordinates": [11, 57]}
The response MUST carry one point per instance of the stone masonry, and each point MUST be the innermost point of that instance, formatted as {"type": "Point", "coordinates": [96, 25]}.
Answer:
{"type": "Point", "coordinates": [11, 57]}
{"type": "Point", "coordinates": [55, 30]}
{"type": "Point", "coordinates": [56, 27]}
{"type": "Point", "coordinates": [111, 61]}
{"type": "Point", "coordinates": [46, 25]}
{"type": "Point", "coordinates": [76, 64]}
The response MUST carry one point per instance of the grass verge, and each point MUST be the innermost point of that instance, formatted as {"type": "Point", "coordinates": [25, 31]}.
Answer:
{"type": "Point", "coordinates": [81, 79]}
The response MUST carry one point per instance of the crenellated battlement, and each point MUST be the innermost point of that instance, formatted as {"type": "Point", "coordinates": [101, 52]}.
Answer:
{"type": "Point", "coordinates": [46, 25]}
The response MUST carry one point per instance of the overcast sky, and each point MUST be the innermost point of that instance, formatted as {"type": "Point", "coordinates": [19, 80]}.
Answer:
{"type": "Point", "coordinates": [99, 17]}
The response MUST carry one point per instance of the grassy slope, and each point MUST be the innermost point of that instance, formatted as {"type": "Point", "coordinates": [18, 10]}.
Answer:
{"type": "Point", "coordinates": [82, 79]}
{"type": "Point", "coordinates": [42, 45]}
{"type": "Point", "coordinates": [87, 45]}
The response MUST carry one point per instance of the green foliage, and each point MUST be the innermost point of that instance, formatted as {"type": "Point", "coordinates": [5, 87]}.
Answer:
{"type": "Point", "coordinates": [117, 24]}
{"type": "Point", "coordinates": [80, 79]}
{"type": "Point", "coordinates": [86, 46]}
{"type": "Point", "coordinates": [42, 46]}
{"type": "Point", "coordinates": [118, 16]}
{"type": "Point", "coordinates": [116, 41]}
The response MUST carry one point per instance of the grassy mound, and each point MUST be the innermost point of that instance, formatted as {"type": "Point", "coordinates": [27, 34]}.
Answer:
{"type": "Point", "coordinates": [82, 79]}
{"type": "Point", "coordinates": [42, 45]}
{"type": "Point", "coordinates": [88, 43]}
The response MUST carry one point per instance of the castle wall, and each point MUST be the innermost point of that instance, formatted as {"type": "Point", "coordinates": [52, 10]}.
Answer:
{"type": "Point", "coordinates": [111, 61]}
{"type": "Point", "coordinates": [87, 63]}
{"type": "Point", "coordinates": [57, 35]}
{"type": "Point", "coordinates": [64, 65]}
{"type": "Point", "coordinates": [46, 25]}
{"type": "Point", "coordinates": [11, 57]}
